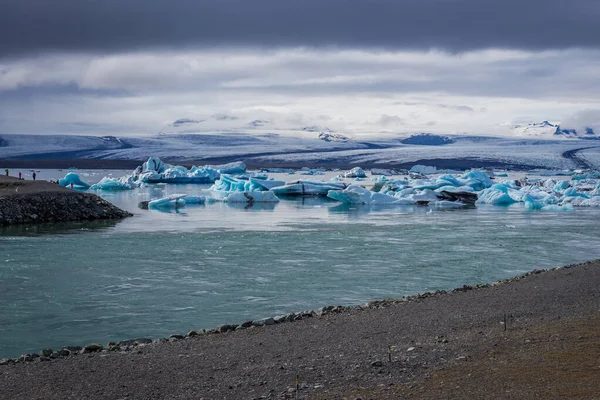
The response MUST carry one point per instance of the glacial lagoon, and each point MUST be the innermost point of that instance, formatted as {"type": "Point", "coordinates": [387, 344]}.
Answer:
{"type": "Point", "coordinates": [160, 273]}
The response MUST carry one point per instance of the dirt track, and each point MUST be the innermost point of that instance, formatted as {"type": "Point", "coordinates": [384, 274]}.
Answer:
{"type": "Point", "coordinates": [453, 345]}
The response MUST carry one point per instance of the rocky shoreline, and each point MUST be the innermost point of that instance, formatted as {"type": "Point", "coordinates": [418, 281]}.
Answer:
{"type": "Point", "coordinates": [411, 347]}
{"type": "Point", "coordinates": [26, 202]}
{"type": "Point", "coordinates": [132, 344]}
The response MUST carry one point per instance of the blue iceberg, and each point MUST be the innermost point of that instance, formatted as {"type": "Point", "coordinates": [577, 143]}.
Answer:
{"type": "Point", "coordinates": [73, 179]}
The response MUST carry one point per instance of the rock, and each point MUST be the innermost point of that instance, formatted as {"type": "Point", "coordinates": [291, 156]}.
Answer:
{"type": "Point", "coordinates": [247, 324]}
{"type": "Point", "coordinates": [4, 361]}
{"type": "Point", "coordinates": [191, 334]}
{"type": "Point", "coordinates": [377, 364]}
{"type": "Point", "coordinates": [44, 358]}
{"type": "Point", "coordinates": [73, 349]}
{"type": "Point", "coordinates": [264, 321]}
{"type": "Point", "coordinates": [280, 318]}
{"type": "Point", "coordinates": [176, 337]}
{"type": "Point", "coordinates": [92, 348]}
{"type": "Point", "coordinates": [46, 353]}
{"type": "Point", "coordinates": [63, 353]}
{"type": "Point", "coordinates": [226, 328]}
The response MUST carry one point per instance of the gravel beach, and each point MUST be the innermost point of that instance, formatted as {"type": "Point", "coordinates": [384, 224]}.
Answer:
{"type": "Point", "coordinates": [534, 336]}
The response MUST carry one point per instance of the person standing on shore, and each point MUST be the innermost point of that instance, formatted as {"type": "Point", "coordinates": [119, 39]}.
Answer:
{"type": "Point", "coordinates": [20, 176]}
{"type": "Point", "coordinates": [6, 170]}
{"type": "Point", "coordinates": [33, 176]}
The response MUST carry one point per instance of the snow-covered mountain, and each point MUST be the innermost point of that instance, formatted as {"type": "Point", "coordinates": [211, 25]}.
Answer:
{"type": "Point", "coordinates": [333, 137]}
{"type": "Point", "coordinates": [549, 130]}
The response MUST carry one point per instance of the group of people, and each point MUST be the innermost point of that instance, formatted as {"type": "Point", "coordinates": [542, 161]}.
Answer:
{"type": "Point", "coordinates": [20, 174]}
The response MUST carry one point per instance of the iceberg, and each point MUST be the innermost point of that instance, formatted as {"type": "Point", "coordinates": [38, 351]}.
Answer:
{"type": "Point", "coordinates": [73, 179]}
{"type": "Point", "coordinates": [246, 197]}
{"type": "Point", "coordinates": [354, 194]}
{"type": "Point", "coordinates": [498, 194]}
{"type": "Point", "coordinates": [154, 170]}
{"type": "Point", "coordinates": [356, 172]}
{"type": "Point", "coordinates": [266, 184]}
{"type": "Point", "coordinates": [115, 184]}
{"type": "Point", "coordinates": [308, 188]}
{"type": "Point", "coordinates": [384, 172]}
{"type": "Point", "coordinates": [229, 183]}
{"type": "Point", "coordinates": [171, 201]}
{"type": "Point", "coordinates": [478, 180]}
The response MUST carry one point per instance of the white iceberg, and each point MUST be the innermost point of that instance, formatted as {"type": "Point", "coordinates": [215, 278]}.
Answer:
{"type": "Point", "coordinates": [356, 172]}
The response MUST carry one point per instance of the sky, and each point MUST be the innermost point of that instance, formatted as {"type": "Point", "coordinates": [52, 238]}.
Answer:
{"type": "Point", "coordinates": [363, 68]}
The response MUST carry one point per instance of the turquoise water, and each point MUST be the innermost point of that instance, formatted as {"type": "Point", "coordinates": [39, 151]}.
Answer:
{"type": "Point", "coordinates": [161, 273]}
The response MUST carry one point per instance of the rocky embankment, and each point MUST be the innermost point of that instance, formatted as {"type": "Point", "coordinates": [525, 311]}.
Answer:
{"type": "Point", "coordinates": [23, 202]}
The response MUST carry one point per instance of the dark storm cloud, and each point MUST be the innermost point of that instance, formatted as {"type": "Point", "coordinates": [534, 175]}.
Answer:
{"type": "Point", "coordinates": [34, 26]}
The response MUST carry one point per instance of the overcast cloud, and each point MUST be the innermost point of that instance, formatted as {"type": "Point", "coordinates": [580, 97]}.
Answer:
{"type": "Point", "coordinates": [363, 67]}
{"type": "Point", "coordinates": [33, 26]}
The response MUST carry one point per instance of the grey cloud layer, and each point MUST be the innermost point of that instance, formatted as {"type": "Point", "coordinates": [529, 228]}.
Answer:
{"type": "Point", "coordinates": [33, 26]}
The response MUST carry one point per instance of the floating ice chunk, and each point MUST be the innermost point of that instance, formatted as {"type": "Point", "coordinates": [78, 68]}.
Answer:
{"type": "Point", "coordinates": [266, 184]}
{"type": "Point", "coordinates": [552, 172]}
{"type": "Point", "coordinates": [73, 179]}
{"type": "Point", "coordinates": [424, 169]}
{"type": "Point", "coordinates": [478, 180]}
{"type": "Point", "coordinates": [384, 172]}
{"type": "Point", "coordinates": [247, 197]}
{"type": "Point", "coordinates": [114, 184]}
{"type": "Point", "coordinates": [586, 175]}
{"type": "Point", "coordinates": [194, 200]}
{"type": "Point", "coordinates": [498, 194]}
{"type": "Point", "coordinates": [583, 202]}
{"type": "Point", "coordinates": [308, 188]}
{"type": "Point", "coordinates": [354, 194]}
{"type": "Point", "coordinates": [424, 195]}
{"type": "Point", "coordinates": [308, 171]}
{"type": "Point", "coordinates": [279, 170]}
{"type": "Point", "coordinates": [356, 172]}
{"type": "Point", "coordinates": [230, 184]}
{"type": "Point", "coordinates": [236, 167]}
{"type": "Point", "coordinates": [560, 185]}
{"type": "Point", "coordinates": [171, 201]}
{"type": "Point", "coordinates": [448, 179]}
{"type": "Point", "coordinates": [572, 192]}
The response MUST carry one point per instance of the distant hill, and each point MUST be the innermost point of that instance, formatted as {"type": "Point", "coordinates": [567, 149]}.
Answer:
{"type": "Point", "coordinates": [427, 139]}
